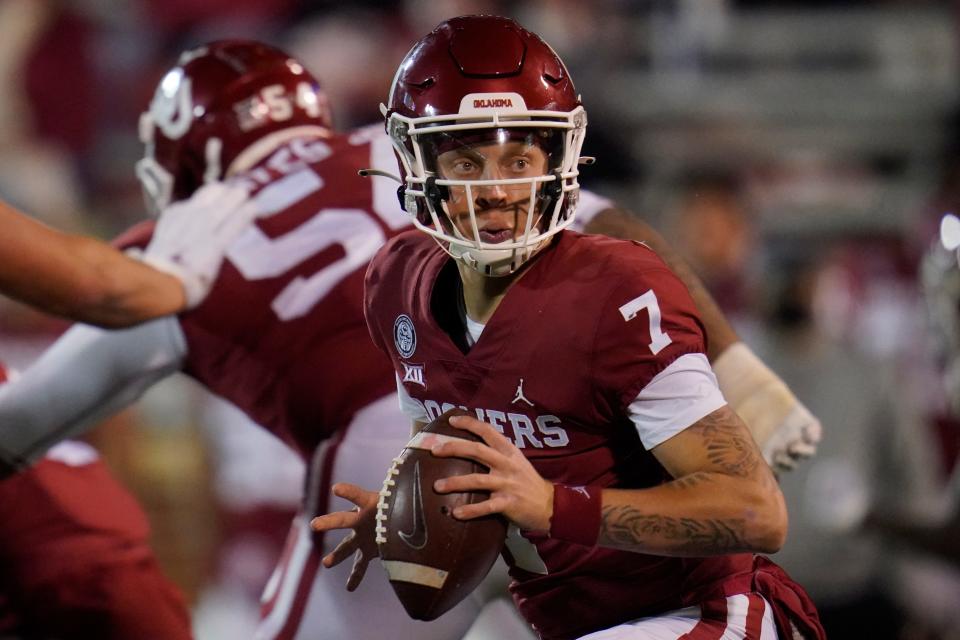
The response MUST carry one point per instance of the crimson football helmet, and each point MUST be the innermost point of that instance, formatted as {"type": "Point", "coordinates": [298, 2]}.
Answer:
{"type": "Point", "coordinates": [477, 81]}
{"type": "Point", "coordinates": [219, 111]}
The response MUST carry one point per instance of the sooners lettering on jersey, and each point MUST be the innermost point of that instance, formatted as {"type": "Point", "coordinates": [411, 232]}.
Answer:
{"type": "Point", "coordinates": [589, 324]}
{"type": "Point", "coordinates": [281, 334]}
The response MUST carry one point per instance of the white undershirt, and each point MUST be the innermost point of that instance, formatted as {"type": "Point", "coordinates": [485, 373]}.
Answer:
{"type": "Point", "coordinates": [474, 328]}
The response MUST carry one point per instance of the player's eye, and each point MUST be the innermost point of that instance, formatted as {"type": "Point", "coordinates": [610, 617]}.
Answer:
{"type": "Point", "coordinates": [519, 164]}
{"type": "Point", "coordinates": [465, 166]}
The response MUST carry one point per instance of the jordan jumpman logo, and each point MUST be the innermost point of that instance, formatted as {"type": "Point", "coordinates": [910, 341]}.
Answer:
{"type": "Point", "coordinates": [517, 398]}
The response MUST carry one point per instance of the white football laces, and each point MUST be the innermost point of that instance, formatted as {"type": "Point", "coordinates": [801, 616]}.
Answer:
{"type": "Point", "coordinates": [383, 504]}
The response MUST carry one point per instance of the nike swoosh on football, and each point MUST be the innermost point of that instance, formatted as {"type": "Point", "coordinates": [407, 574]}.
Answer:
{"type": "Point", "coordinates": [416, 539]}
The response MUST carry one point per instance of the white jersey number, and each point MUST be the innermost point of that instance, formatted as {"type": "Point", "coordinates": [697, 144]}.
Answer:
{"type": "Point", "coordinates": [658, 338]}
{"type": "Point", "coordinates": [258, 256]}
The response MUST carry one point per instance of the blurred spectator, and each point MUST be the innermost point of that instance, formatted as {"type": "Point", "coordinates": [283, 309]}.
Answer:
{"type": "Point", "coordinates": [714, 231]}
{"type": "Point", "coordinates": [41, 120]}
{"type": "Point", "coordinates": [354, 55]}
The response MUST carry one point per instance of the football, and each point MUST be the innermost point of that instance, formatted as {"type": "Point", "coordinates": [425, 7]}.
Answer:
{"type": "Point", "coordinates": [432, 559]}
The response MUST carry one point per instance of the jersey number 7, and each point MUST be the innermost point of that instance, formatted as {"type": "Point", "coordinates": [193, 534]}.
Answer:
{"type": "Point", "coordinates": [658, 338]}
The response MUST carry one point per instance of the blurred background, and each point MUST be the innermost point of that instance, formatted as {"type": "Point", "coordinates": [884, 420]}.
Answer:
{"type": "Point", "coordinates": [799, 154]}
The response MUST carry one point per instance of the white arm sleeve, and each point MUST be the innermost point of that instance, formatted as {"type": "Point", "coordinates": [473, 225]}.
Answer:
{"type": "Point", "coordinates": [86, 376]}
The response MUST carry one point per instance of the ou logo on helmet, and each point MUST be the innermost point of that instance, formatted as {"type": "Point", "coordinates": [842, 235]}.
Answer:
{"type": "Point", "coordinates": [404, 336]}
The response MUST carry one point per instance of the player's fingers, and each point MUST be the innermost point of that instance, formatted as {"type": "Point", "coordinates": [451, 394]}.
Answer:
{"type": "Point", "coordinates": [357, 495]}
{"type": "Point", "coordinates": [783, 462]}
{"type": "Point", "coordinates": [468, 482]}
{"type": "Point", "coordinates": [359, 569]}
{"type": "Point", "coordinates": [335, 520]}
{"type": "Point", "coordinates": [813, 432]}
{"type": "Point", "coordinates": [460, 448]}
{"type": "Point", "coordinates": [491, 436]}
{"type": "Point", "coordinates": [341, 552]}
{"type": "Point", "coordinates": [480, 509]}
{"type": "Point", "coordinates": [798, 450]}
{"type": "Point", "coordinates": [471, 511]}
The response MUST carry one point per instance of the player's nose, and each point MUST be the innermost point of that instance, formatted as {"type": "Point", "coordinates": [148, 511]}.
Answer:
{"type": "Point", "coordinates": [491, 199]}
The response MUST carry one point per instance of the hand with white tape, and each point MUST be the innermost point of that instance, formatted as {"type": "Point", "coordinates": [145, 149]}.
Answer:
{"type": "Point", "coordinates": [783, 428]}
{"type": "Point", "coordinates": [192, 236]}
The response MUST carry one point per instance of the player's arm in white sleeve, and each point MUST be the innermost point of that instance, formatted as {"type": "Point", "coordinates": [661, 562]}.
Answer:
{"type": "Point", "coordinates": [782, 426]}
{"type": "Point", "coordinates": [86, 376]}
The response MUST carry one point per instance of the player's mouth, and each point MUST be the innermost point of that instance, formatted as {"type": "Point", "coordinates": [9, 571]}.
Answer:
{"type": "Point", "coordinates": [496, 236]}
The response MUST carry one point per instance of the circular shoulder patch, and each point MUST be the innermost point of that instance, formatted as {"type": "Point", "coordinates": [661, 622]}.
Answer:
{"type": "Point", "coordinates": [404, 336]}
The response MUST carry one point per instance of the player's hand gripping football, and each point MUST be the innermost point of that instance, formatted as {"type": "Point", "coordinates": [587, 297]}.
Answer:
{"type": "Point", "coordinates": [516, 489]}
{"type": "Point", "coordinates": [361, 541]}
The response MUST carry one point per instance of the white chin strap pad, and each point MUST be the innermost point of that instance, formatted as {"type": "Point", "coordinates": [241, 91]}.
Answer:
{"type": "Point", "coordinates": [494, 262]}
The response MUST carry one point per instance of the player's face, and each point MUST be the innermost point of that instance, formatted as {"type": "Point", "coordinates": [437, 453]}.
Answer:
{"type": "Point", "coordinates": [501, 209]}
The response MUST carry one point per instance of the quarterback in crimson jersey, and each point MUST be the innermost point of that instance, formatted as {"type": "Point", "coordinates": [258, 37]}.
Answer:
{"type": "Point", "coordinates": [281, 335]}
{"type": "Point", "coordinates": [639, 493]}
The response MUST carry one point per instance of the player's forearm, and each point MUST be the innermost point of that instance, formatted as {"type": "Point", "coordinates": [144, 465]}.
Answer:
{"type": "Point", "coordinates": [619, 223]}
{"type": "Point", "coordinates": [704, 513]}
{"type": "Point", "coordinates": [78, 277]}
{"type": "Point", "coordinates": [724, 498]}
{"type": "Point", "coordinates": [120, 291]}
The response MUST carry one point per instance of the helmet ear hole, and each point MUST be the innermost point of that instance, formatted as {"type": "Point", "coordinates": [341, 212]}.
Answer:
{"type": "Point", "coordinates": [187, 181]}
{"type": "Point", "coordinates": [437, 193]}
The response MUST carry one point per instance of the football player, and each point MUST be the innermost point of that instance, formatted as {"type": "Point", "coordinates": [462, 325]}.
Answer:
{"type": "Point", "coordinates": [84, 279]}
{"type": "Point", "coordinates": [75, 560]}
{"type": "Point", "coordinates": [281, 335]}
{"type": "Point", "coordinates": [641, 496]}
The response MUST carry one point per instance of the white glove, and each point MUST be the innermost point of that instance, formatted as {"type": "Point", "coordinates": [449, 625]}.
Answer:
{"type": "Point", "coordinates": [783, 428]}
{"type": "Point", "coordinates": [192, 236]}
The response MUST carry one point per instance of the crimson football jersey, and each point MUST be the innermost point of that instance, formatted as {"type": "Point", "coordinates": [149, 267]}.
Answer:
{"type": "Point", "coordinates": [75, 559]}
{"type": "Point", "coordinates": [575, 340]}
{"type": "Point", "coordinates": [281, 334]}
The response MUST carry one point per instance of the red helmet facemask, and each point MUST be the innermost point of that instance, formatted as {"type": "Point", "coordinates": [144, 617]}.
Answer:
{"type": "Point", "coordinates": [219, 111]}
{"type": "Point", "coordinates": [484, 87]}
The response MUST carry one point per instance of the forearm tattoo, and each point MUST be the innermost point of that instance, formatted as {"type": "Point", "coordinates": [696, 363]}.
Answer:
{"type": "Point", "coordinates": [625, 527]}
{"type": "Point", "coordinates": [730, 452]}
{"type": "Point", "coordinates": [729, 445]}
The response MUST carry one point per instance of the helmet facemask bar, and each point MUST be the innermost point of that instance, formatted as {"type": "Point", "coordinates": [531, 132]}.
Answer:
{"type": "Point", "coordinates": [551, 195]}
{"type": "Point", "coordinates": [155, 181]}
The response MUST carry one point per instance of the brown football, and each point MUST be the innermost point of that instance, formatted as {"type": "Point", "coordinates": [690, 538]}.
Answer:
{"type": "Point", "coordinates": [432, 559]}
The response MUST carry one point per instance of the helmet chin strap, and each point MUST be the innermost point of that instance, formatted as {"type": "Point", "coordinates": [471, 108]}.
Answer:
{"type": "Point", "coordinates": [495, 262]}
